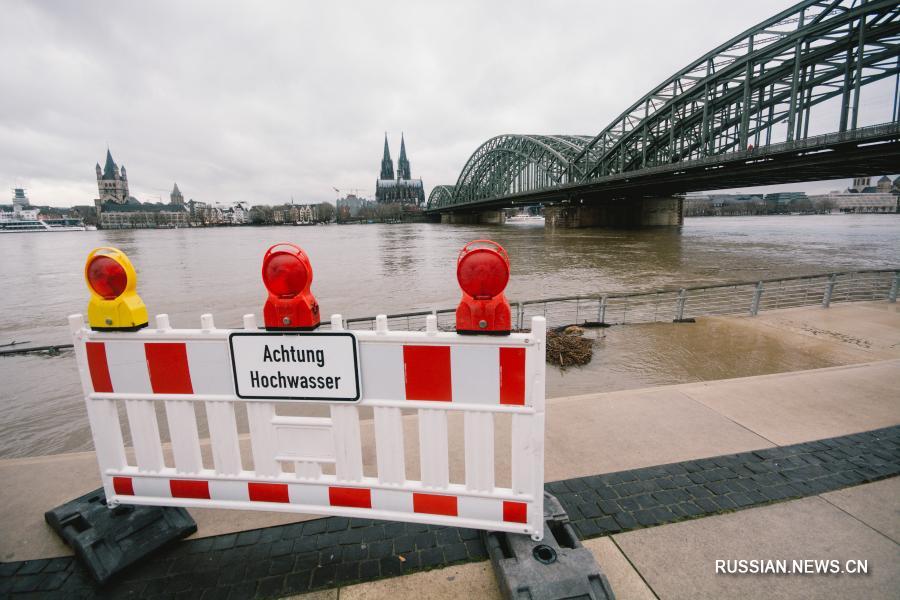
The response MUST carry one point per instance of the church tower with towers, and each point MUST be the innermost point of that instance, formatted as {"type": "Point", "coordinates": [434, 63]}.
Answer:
{"type": "Point", "coordinates": [112, 181]}
{"type": "Point", "coordinates": [400, 188]}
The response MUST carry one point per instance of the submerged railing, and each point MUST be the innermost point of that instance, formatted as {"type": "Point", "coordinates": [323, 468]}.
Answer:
{"type": "Point", "coordinates": [743, 298]}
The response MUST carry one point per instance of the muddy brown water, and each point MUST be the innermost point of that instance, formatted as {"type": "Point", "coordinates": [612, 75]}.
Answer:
{"type": "Point", "coordinates": [366, 269]}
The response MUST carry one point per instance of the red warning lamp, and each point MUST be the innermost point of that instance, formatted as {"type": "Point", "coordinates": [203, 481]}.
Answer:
{"type": "Point", "coordinates": [287, 274]}
{"type": "Point", "coordinates": [482, 269]}
{"type": "Point", "coordinates": [106, 277]}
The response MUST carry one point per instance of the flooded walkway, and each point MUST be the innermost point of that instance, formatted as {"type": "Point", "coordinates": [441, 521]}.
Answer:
{"type": "Point", "coordinates": [602, 432]}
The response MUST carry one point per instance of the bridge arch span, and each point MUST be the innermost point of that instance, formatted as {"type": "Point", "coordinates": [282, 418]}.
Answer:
{"type": "Point", "coordinates": [764, 89]}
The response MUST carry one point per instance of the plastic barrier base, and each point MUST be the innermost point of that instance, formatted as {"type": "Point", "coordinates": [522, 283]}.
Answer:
{"type": "Point", "coordinates": [106, 541]}
{"type": "Point", "coordinates": [557, 568]}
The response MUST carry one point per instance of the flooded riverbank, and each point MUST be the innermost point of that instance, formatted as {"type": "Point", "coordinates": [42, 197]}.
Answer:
{"type": "Point", "coordinates": [362, 270]}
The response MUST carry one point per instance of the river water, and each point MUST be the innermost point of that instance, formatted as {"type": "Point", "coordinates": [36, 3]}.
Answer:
{"type": "Point", "coordinates": [362, 270]}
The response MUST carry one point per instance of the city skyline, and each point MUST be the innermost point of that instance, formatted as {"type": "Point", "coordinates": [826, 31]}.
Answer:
{"type": "Point", "coordinates": [305, 113]}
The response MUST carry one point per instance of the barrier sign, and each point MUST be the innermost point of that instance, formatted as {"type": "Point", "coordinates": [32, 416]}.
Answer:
{"type": "Point", "coordinates": [460, 390]}
{"type": "Point", "coordinates": [296, 366]}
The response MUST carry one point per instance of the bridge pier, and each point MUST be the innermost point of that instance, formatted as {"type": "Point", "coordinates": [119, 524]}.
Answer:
{"type": "Point", "coordinates": [486, 217]}
{"type": "Point", "coordinates": [625, 213]}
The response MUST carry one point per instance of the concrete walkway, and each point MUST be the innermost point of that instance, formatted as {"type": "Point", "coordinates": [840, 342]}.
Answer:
{"type": "Point", "coordinates": [678, 561]}
{"type": "Point", "coordinates": [586, 435]}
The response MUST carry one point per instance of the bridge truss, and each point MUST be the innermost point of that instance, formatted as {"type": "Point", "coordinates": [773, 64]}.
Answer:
{"type": "Point", "coordinates": [755, 90]}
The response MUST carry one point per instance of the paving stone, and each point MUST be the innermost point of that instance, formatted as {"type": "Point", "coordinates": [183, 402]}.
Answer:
{"type": "Point", "coordinates": [608, 525]}
{"type": "Point", "coordinates": [323, 576]}
{"type": "Point", "coordinates": [354, 553]}
{"type": "Point", "coordinates": [425, 540]}
{"type": "Point", "coordinates": [645, 518]}
{"type": "Point", "coordinates": [298, 582]}
{"type": "Point", "coordinates": [431, 557]}
{"type": "Point", "coordinates": [587, 528]}
{"type": "Point", "coordinates": [391, 566]}
{"type": "Point", "coordinates": [369, 569]}
{"type": "Point", "coordinates": [373, 533]}
{"type": "Point", "coordinates": [315, 526]}
{"type": "Point", "coordinates": [281, 548]}
{"type": "Point", "coordinates": [304, 544]}
{"type": "Point", "coordinates": [455, 552]}
{"type": "Point", "coordinates": [242, 591]}
{"type": "Point", "coordinates": [33, 567]}
{"type": "Point", "coordinates": [590, 510]}
{"type": "Point", "coordinates": [627, 504]}
{"type": "Point", "coordinates": [281, 566]}
{"type": "Point", "coordinates": [394, 530]}
{"type": "Point", "coordinates": [380, 550]}
{"type": "Point", "coordinates": [347, 572]}
{"type": "Point", "coordinates": [306, 562]}
{"type": "Point", "coordinates": [270, 587]}
{"type": "Point", "coordinates": [608, 507]}
{"type": "Point", "coordinates": [351, 536]}
{"type": "Point", "coordinates": [476, 549]}
{"type": "Point", "coordinates": [337, 524]}
{"type": "Point", "coordinates": [447, 535]}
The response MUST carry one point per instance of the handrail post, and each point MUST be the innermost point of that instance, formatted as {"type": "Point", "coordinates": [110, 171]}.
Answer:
{"type": "Point", "coordinates": [895, 287]}
{"type": "Point", "coordinates": [829, 290]}
{"type": "Point", "coordinates": [757, 295]}
{"type": "Point", "coordinates": [601, 311]}
{"type": "Point", "coordinates": [679, 305]}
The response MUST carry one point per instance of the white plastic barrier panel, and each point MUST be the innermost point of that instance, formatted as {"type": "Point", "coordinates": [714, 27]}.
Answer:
{"type": "Point", "coordinates": [429, 372]}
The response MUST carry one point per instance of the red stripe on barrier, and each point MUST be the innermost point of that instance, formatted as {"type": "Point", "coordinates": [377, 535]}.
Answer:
{"type": "Point", "coordinates": [123, 486]}
{"type": "Point", "coordinates": [99, 368]}
{"type": "Point", "coordinates": [512, 376]}
{"type": "Point", "coordinates": [268, 492]}
{"type": "Point", "coordinates": [168, 366]}
{"type": "Point", "coordinates": [353, 497]}
{"type": "Point", "coordinates": [434, 504]}
{"type": "Point", "coordinates": [515, 512]}
{"type": "Point", "coordinates": [189, 488]}
{"type": "Point", "coordinates": [427, 373]}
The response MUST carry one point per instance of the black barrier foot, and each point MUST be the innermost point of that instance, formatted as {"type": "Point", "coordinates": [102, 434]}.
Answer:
{"type": "Point", "coordinates": [108, 540]}
{"type": "Point", "coordinates": [556, 568]}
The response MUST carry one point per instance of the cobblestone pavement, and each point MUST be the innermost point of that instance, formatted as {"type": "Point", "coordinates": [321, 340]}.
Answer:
{"type": "Point", "coordinates": [324, 553]}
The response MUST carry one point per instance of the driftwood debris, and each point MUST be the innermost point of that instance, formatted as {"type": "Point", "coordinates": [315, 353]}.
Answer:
{"type": "Point", "coordinates": [568, 348]}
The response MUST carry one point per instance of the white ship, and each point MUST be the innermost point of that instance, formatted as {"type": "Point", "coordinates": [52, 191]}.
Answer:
{"type": "Point", "coordinates": [24, 219]}
{"type": "Point", "coordinates": [523, 217]}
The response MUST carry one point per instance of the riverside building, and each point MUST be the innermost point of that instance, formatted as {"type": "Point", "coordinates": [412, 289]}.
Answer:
{"type": "Point", "coordinates": [118, 209]}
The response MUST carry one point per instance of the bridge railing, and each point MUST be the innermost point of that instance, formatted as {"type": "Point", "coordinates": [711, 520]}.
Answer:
{"type": "Point", "coordinates": [741, 298]}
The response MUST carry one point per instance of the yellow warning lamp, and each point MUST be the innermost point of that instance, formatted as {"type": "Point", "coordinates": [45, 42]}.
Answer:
{"type": "Point", "coordinates": [112, 280]}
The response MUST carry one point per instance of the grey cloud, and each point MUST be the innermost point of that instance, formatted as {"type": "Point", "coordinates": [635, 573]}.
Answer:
{"type": "Point", "coordinates": [259, 101]}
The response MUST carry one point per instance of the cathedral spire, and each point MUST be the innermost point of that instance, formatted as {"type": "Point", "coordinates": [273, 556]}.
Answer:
{"type": "Point", "coordinates": [403, 162]}
{"type": "Point", "coordinates": [387, 165]}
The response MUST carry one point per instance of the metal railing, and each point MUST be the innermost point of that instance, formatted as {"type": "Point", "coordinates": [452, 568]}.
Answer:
{"type": "Point", "coordinates": [743, 298]}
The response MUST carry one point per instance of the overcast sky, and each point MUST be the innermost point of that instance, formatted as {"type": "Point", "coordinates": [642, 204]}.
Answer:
{"type": "Point", "coordinates": [261, 101]}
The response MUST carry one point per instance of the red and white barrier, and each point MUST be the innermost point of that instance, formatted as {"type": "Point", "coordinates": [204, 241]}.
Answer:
{"type": "Point", "coordinates": [431, 372]}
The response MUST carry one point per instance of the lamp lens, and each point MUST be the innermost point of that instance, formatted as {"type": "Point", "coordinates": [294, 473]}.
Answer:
{"type": "Point", "coordinates": [483, 273]}
{"type": "Point", "coordinates": [107, 277]}
{"type": "Point", "coordinates": [285, 275]}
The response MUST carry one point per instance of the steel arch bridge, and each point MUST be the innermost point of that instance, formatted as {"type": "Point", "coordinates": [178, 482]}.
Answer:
{"type": "Point", "coordinates": [739, 115]}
